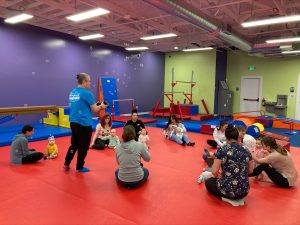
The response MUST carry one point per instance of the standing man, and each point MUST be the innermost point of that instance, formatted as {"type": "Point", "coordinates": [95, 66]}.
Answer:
{"type": "Point", "coordinates": [136, 123]}
{"type": "Point", "coordinates": [82, 104]}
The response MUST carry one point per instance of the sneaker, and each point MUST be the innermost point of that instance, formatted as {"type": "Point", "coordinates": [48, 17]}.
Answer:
{"type": "Point", "coordinates": [183, 143]}
{"type": "Point", "coordinates": [66, 168]}
{"type": "Point", "coordinates": [239, 202]}
{"type": "Point", "coordinates": [83, 170]}
{"type": "Point", "coordinates": [191, 144]}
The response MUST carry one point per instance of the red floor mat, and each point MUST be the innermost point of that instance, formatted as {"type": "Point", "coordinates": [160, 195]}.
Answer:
{"type": "Point", "coordinates": [43, 194]}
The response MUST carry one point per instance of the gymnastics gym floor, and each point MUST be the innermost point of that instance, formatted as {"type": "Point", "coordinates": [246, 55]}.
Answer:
{"type": "Point", "coordinates": [43, 193]}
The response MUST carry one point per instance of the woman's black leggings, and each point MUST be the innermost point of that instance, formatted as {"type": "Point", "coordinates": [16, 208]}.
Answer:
{"type": "Point", "coordinates": [212, 143]}
{"type": "Point", "coordinates": [33, 157]}
{"type": "Point", "coordinates": [212, 188]}
{"type": "Point", "coordinates": [100, 144]}
{"type": "Point", "coordinates": [274, 175]}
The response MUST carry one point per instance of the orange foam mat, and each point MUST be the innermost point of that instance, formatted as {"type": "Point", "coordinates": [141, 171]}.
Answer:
{"type": "Point", "coordinates": [42, 193]}
{"type": "Point", "coordinates": [285, 125]}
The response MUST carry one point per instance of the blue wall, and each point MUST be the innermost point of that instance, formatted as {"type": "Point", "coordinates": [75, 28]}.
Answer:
{"type": "Point", "coordinates": [38, 67]}
{"type": "Point", "coordinates": [221, 68]}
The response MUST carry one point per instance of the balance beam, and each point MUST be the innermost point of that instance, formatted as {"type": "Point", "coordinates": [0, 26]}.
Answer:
{"type": "Point", "coordinates": [28, 110]}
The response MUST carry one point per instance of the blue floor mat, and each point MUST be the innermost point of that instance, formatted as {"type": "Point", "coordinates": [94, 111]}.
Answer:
{"type": "Point", "coordinates": [42, 131]}
{"type": "Point", "coordinates": [192, 126]}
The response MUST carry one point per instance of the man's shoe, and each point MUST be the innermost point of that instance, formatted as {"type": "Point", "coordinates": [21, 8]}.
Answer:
{"type": "Point", "coordinates": [66, 168]}
{"type": "Point", "coordinates": [83, 170]}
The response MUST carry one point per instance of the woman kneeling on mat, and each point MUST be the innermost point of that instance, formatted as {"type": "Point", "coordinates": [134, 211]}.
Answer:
{"type": "Point", "coordinates": [19, 152]}
{"type": "Point", "coordinates": [129, 153]}
{"type": "Point", "coordinates": [176, 132]}
{"type": "Point", "coordinates": [278, 164]}
{"type": "Point", "coordinates": [236, 163]}
{"type": "Point", "coordinates": [101, 136]}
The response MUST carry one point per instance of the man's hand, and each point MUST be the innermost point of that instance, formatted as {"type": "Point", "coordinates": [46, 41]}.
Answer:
{"type": "Point", "coordinates": [103, 106]}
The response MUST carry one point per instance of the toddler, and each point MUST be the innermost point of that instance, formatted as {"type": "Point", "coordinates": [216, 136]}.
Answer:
{"type": "Point", "coordinates": [144, 138]}
{"type": "Point", "coordinates": [51, 151]}
{"type": "Point", "coordinates": [113, 139]}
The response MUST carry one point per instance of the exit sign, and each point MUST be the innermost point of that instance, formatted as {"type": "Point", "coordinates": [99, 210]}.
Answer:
{"type": "Point", "coordinates": [251, 68]}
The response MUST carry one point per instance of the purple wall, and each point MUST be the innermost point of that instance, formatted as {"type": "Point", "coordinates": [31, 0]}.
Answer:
{"type": "Point", "coordinates": [38, 67]}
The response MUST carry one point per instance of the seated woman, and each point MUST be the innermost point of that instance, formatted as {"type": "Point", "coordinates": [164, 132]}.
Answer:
{"type": "Point", "coordinates": [19, 152]}
{"type": "Point", "coordinates": [176, 132]}
{"type": "Point", "coordinates": [129, 153]}
{"type": "Point", "coordinates": [101, 136]}
{"type": "Point", "coordinates": [219, 136]}
{"type": "Point", "coordinates": [278, 164]}
{"type": "Point", "coordinates": [236, 163]}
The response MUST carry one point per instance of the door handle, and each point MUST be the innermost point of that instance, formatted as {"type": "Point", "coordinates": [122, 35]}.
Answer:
{"type": "Point", "coordinates": [251, 99]}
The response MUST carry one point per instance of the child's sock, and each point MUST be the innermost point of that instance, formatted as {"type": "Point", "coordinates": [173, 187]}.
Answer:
{"type": "Point", "coordinates": [204, 176]}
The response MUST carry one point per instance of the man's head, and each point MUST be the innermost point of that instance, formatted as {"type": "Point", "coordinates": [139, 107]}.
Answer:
{"type": "Point", "coordinates": [84, 80]}
{"type": "Point", "coordinates": [28, 130]}
{"type": "Point", "coordinates": [134, 115]}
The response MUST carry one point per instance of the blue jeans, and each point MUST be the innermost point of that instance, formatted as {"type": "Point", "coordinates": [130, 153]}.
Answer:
{"type": "Point", "coordinates": [131, 185]}
{"type": "Point", "coordinates": [174, 137]}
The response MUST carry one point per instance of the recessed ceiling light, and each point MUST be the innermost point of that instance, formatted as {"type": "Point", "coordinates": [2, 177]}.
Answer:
{"type": "Point", "coordinates": [18, 18]}
{"type": "Point", "coordinates": [291, 52]}
{"type": "Point", "coordinates": [137, 48]}
{"type": "Point", "coordinates": [282, 19]}
{"type": "Point", "coordinates": [91, 36]}
{"type": "Point", "coordinates": [292, 39]}
{"type": "Point", "coordinates": [197, 49]}
{"type": "Point", "coordinates": [158, 36]}
{"type": "Point", "coordinates": [285, 46]}
{"type": "Point", "coordinates": [88, 14]}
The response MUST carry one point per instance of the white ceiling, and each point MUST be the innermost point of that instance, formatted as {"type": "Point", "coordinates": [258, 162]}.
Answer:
{"type": "Point", "coordinates": [131, 19]}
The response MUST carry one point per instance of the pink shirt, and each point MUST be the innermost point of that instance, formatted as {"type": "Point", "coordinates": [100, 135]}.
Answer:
{"type": "Point", "coordinates": [284, 165]}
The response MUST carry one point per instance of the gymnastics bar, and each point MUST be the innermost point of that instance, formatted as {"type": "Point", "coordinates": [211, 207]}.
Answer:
{"type": "Point", "coordinates": [28, 110]}
{"type": "Point", "coordinates": [120, 100]}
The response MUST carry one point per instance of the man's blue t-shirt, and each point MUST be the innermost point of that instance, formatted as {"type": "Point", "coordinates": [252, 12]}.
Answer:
{"type": "Point", "coordinates": [81, 100]}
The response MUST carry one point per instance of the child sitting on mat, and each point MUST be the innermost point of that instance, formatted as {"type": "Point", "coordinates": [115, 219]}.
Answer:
{"type": "Point", "coordinates": [260, 153]}
{"type": "Point", "coordinates": [113, 139]}
{"type": "Point", "coordinates": [52, 150]}
{"type": "Point", "coordinates": [258, 150]}
{"type": "Point", "coordinates": [144, 138]}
